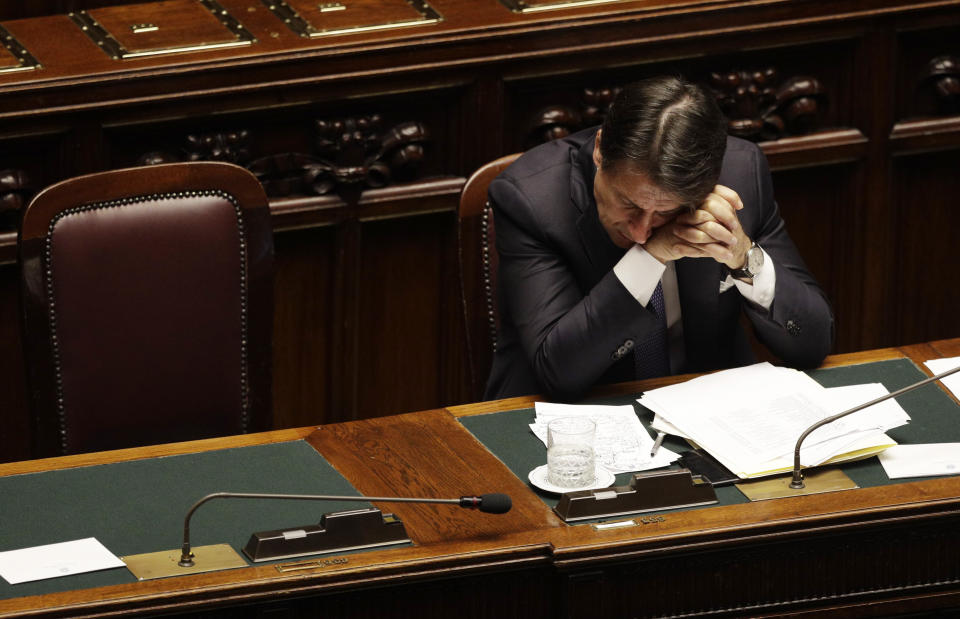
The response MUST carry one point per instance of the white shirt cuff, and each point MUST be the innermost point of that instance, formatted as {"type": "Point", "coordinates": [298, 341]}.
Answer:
{"type": "Point", "coordinates": [639, 272]}
{"type": "Point", "coordinates": [764, 284]}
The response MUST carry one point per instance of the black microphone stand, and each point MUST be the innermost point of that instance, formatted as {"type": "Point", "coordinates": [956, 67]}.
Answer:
{"type": "Point", "coordinates": [797, 482]}
{"type": "Point", "coordinates": [490, 503]}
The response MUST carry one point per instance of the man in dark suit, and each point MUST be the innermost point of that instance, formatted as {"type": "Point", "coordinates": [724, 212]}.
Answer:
{"type": "Point", "coordinates": [630, 251]}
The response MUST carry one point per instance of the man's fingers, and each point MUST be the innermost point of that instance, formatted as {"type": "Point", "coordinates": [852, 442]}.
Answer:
{"type": "Point", "coordinates": [729, 195]}
{"type": "Point", "coordinates": [685, 250]}
{"type": "Point", "coordinates": [717, 251]}
{"type": "Point", "coordinates": [709, 232]}
{"type": "Point", "coordinates": [722, 210]}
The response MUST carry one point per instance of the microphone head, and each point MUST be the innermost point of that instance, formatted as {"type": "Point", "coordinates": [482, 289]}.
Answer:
{"type": "Point", "coordinates": [495, 503]}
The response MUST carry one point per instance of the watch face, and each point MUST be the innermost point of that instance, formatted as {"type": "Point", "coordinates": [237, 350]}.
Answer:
{"type": "Point", "coordinates": [754, 260]}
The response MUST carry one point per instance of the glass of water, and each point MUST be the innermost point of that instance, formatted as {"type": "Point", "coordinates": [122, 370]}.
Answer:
{"type": "Point", "coordinates": [570, 459]}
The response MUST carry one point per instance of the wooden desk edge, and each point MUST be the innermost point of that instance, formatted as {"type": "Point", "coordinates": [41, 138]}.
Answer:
{"type": "Point", "coordinates": [154, 451]}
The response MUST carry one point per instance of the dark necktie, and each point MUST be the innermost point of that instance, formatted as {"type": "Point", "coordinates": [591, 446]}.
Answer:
{"type": "Point", "coordinates": [651, 356]}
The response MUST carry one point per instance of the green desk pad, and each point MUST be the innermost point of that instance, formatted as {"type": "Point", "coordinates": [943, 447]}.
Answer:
{"type": "Point", "coordinates": [934, 418]}
{"type": "Point", "coordinates": [138, 506]}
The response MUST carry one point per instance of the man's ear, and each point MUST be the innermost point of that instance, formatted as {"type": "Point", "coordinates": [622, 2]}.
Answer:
{"type": "Point", "coordinates": [596, 149]}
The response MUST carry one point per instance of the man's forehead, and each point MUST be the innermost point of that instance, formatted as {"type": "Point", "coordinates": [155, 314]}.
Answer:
{"type": "Point", "coordinates": [637, 187]}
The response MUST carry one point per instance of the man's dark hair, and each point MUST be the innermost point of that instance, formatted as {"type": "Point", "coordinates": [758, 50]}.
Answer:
{"type": "Point", "coordinates": [670, 130]}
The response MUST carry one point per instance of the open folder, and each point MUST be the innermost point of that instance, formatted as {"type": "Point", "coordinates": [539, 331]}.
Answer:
{"type": "Point", "coordinates": [750, 418]}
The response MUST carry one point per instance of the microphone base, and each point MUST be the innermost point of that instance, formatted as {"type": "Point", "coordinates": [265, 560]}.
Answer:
{"type": "Point", "coordinates": [337, 532]}
{"type": "Point", "coordinates": [648, 491]}
{"type": "Point", "coordinates": [164, 564]}
{"type": "Point", "coordinates": [814, 481]}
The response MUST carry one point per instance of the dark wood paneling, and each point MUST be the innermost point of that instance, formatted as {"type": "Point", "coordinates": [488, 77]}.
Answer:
{"type": "Point", "coordinates": [304, 276]}
{"type": "Point", "coordinates": [927, 278]}
{"type": "Point", "coordinates": [404, 301]}
{"type": "Point", "coordinates": [15, 443]}
{"type": "Point", "coordinates": [819, 206]}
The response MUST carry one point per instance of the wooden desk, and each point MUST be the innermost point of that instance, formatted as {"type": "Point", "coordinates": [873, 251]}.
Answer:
{"type": "Point", "coordinates": [892, 546]}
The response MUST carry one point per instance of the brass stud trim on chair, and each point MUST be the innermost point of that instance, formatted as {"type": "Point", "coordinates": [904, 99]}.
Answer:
{"type": "Point", "coordinates": [488, 291]}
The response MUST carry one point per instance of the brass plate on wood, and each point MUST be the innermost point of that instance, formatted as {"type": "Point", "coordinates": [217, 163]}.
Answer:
{"type": "Point", "coordinates": [13, 55]}
{"type": "Point", "coordinates": [815, 482]}
{"type": "Point", "coordinates": [134, 31]}
{"type": "Point", "coordinates": [164, 564]}
{"type": "Point", "coordinates": [532, 6]}
{"type": "Point", "coordinates": [310, 19]}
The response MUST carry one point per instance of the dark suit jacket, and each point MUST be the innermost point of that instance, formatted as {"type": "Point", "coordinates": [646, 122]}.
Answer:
{"type": "Point", "coordinates": [565, 316]}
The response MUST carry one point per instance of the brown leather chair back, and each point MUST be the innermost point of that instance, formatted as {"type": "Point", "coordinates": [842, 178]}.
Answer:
{"type": "Point", "coordinates": [478, 271]}
{"type": "Point", "coordinates": [147, 297]}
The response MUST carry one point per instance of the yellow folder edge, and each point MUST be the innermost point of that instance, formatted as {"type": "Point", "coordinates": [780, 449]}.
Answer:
{"type": "Point", "coordinates": [850, 456]}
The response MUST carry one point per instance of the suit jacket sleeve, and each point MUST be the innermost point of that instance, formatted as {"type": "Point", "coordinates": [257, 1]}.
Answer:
{"type": "Point", "coordinates": [799, 326]}
{"type": "Point", "coordinates": [569, 336]}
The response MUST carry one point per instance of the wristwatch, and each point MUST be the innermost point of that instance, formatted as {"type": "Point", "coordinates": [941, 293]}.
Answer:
{"type": "Point", "coordinates": [753, 264]}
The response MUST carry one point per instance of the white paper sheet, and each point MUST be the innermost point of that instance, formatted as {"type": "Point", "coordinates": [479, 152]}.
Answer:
{"type": "Point", "coordinates": [55, 560]}
{"type": "Point", "coordinates": [621, 444]}
{"type": "Point", "coordinates": [938, 366]}
{"type": "Point", "coordinates": [921, 460]}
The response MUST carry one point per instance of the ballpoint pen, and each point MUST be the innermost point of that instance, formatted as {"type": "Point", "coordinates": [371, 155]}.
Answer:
{"type": "Point", "coordinates": [657, 443]}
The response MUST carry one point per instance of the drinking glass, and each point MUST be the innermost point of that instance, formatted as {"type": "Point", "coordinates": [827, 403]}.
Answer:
{"type": "Point", "coordinates": [570, 458]}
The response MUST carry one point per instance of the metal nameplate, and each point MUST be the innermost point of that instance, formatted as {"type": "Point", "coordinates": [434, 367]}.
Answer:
{"type": "Point", "coordinates": [349, 16]}
{"type": "Point", "coordinates": [165, 563]}
{"type": "Point", "coordinates": [817, 481]}
{"type": "Point", "coordinates": [532, 6]}
{"type": "Point", "coordinates": [237, 34]}
{"type": "Point", "coordinates": [24, 59]}
{"type": "Point", "coordinates": [301, 566]}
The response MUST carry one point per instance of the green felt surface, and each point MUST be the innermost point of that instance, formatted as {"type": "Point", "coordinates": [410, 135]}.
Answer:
{"type": "Point", "coordinates": [935, 418]}
{"type": "Point", "coordinates": [137, 507]}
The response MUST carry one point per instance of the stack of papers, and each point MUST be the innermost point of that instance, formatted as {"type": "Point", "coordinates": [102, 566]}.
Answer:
{"type": "Point", "coordinates": [621, 443]}
{"type": "Point", "coordinates": [750, 418]}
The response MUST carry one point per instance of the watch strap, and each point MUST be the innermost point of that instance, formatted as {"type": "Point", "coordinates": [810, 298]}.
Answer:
{"type": "Point", "coordinates": [744, 271]}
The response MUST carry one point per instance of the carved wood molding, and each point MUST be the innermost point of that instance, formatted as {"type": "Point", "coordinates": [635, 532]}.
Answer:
{"type": "Point", "coordinates": [350, 155]}
{"type": "Point", "coordinates": [14, 193]}
{"type": "Point", "coordinates": [227, 146]}
{"type": "Point", "coordinates": [925, 135]}
{"type": "Point", "coordinates": [942, 76]}
{"type": "Point", "coordinates": [558, 121]}
{"type": "Point", "coordinates": [759, 105]}
{"type": "Point", "coordinates": [819, 149]}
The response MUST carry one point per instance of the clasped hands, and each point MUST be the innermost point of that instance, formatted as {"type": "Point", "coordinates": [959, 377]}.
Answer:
{"type": "Point", "coordinates": [713, 230]}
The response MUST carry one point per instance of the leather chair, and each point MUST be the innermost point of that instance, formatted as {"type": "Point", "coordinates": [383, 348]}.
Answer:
{"type": "Point", "coordinates": [147, 307]}
{"type": "Point", "coordinates": [478, 271]}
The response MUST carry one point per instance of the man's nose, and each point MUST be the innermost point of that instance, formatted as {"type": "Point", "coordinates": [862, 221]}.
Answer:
{"type": "Point", "coordinates": [641, 226]}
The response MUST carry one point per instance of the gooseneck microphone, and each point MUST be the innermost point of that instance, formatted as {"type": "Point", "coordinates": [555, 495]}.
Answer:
{"type": "Point", "coordinates": [493, 503]}
{"type": "Point", "coordinates": [797, 482]}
